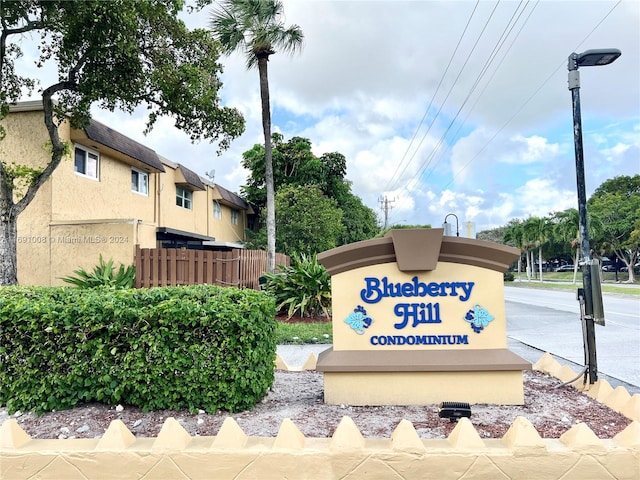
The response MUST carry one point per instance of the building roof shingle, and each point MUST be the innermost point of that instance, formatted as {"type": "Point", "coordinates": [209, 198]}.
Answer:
{"type": "Point", "coordinates": [191, 178]}
{"type": "Point", "coordinates": [231, 198]}
{"type": "Point", "coordinates": [108, 137]}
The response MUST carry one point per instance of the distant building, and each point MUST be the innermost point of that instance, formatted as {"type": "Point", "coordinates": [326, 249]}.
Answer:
{"type": "Point", "coordinates": [110, 195]}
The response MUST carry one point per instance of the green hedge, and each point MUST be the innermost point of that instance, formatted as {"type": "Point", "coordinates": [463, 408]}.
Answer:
{"type": "Point", "coordinates": [197, 347]}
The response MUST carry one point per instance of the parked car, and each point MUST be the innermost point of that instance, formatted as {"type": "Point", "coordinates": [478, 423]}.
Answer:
{"type": "Point", "coordinates": [636, 268]}
{"type": "Point", "coordinates": [565, 268]}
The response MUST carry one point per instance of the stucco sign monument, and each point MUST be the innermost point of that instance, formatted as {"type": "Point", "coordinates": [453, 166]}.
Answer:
{"type": "Point", "coordinates": [419, 318]}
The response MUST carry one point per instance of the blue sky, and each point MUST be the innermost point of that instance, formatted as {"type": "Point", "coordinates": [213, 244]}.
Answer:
{"type": "Point", "coordinates": [496, 141]}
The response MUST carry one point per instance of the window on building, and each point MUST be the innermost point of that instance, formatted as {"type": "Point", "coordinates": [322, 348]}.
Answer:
{"type": "Point", "coordinates": [139, 182]}
{"type": "Point", "coordinates": [85, 162]}
{"type": "Point", "coordinates": [183, 197]}
{"type": "Point", "coordinates": [234, 217]}
{"type": "Point", "coordinates": [217, 210]}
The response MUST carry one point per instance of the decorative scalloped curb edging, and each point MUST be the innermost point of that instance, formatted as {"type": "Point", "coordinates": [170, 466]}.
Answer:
{"type": "Point", "coordinates": [618, 399]}
{"type": "Point", "coordinates": [520, 454]}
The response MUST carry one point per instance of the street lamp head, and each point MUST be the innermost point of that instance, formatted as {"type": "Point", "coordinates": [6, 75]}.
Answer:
{"type": "Point", "coordinates": [596, 57]}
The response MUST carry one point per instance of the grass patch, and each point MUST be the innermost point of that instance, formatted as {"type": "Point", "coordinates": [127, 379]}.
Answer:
{"type": "Point", "coordinates": [303, 333]}
{"type": "Point", "coordinates": [555, 285]}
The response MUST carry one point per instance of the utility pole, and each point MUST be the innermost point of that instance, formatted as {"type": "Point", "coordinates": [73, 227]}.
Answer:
{"type": "Point", "coordinates": [590, 297]}
{"type": "Point", "coordinates": [386, 205]}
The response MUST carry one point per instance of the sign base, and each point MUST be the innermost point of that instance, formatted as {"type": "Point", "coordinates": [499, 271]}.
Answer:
{"type": "Point", "coordinates": [400, 377]}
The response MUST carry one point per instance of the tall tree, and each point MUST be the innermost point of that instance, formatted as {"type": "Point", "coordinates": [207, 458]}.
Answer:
{"type": "Point", "coordinates": [616, 203]}
{"type": "Point", "coordinates": [514, 236]}
{"type": "Point", "coordinates": [308, 221]}
{"type": "Point", "coordinates": [294, 163]}
{"type": "Point", "coordinates": [255, 27]}
{"type": "Point", "coordinates": [119, 54]}
{"type": "Point", "coordinates": [566, 227]}
{"type": "Point", "coordinates": [538, 230]}
{"type": "Point", "coordinates": [359, 221]}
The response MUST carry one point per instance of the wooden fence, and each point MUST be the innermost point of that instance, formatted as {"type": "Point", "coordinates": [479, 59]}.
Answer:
{"type": "Point", "coordinates": [156, 267]}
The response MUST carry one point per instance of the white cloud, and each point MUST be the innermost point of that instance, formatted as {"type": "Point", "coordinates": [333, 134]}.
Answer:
{"type": "Point", "coordinates": [543, 197]}
{"type": "Point", "coordinates": [534, 149]}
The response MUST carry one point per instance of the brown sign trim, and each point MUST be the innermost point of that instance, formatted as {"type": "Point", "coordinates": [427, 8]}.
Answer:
{"type": "Point", "coordinates": [416, 249]}
{"type": "Point", "coordinates": [342, 361]}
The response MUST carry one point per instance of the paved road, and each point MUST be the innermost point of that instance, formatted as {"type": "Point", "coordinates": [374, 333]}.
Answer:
{"type": "Point", "coordinates": [549, 320]}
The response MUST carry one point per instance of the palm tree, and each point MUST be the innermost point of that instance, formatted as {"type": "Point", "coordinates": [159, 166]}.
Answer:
{"type": "Point", "coordinates": [539, 231]}
{"type": "Point", "coordinates": [526, 244]}
{"type": "Point", "coordinates": [514, 235]}
{"type": "Point", "coordinates": [255, 27]}
{"type": "Point", "coordinates": [567, 229]}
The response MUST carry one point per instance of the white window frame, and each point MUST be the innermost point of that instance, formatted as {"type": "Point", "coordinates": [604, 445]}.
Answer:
{"type": "Point", "coordinates": [137, 188]}
{"type": "Point", "coordinates": [87, 153]}
{"type": "Point", "coordinates": [217, 211]}
{"type": "Point", "coordinates": [234, 216]}
{"type": "Point", "coordinates": [185, 197]}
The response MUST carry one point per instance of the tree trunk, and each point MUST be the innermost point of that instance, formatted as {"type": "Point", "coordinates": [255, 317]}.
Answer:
{"type": "Point", "coordinates": [10, 210]}
{"type": "Point", "coordinates": [268, 163]}
{"type": "Point", "coordinates": [8, 241]}
{"type": "Point", "coordinates": [540, 262]}
{"type": "Point", "coordinates": [8, 232]}
{"type": "Point", "coordinates": [629, 262]}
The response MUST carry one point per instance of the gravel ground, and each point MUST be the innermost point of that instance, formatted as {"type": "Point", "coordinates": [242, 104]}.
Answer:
{"type": "Point", "coordinates": [299, 397]}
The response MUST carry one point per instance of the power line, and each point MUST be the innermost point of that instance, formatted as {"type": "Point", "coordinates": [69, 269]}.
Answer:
{"type": "Point", "coordinates": [531, 97]}
{"type": "Point", "coordinates": [476, 43]}
{"type": "Point", "coordinates": [493, 74]}
{"type": "Point", "coordinates": [484, 70]}
{"type": "Point", "coordinates": [515, 114]}
{"type": "Point", "coordinates": [426, 112]}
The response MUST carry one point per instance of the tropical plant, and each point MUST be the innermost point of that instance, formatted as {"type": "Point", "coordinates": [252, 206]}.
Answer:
{"type": "Point", "coordinates": [255, 27]}
{"type": "Point", "coordinates": [118, 54]}
{"type": "Point", "coordinates": [104, 274]}
{"type": "Point", "coordinates": [514, 236]}
{"type": "Point", "coordinates": [566, 228]}
{"type": "Point", "coordinates": [538, 231]}
{"type": "Point", "coordinates": [303, 287]}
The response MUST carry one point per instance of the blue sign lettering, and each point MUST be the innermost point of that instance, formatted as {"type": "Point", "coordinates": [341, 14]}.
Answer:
{"type": "Point", "coordinates": [378, 288]}
{"type": "Point", "coordinates": [418, 313]}
{"type": "Point", "coordinates": [419, 340]}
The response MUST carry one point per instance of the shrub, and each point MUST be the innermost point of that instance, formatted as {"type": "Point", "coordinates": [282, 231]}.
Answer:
{"type": "Point", "coordinates": [197, 347]}
{"type": "Point", "coordinates": [303, 287]}
{"type": "Point", "coordinates": [104, 274]}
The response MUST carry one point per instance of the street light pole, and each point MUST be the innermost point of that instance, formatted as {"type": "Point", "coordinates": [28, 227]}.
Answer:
{"type": "Point", "coordinates": [592, 310]}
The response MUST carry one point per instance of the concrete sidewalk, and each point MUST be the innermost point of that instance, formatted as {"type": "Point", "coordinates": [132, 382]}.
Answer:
{"type": "Point", "coordinates": [295, 356]}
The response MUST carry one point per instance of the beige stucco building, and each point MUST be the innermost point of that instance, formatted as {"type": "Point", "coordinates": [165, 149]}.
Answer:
{"type": "Point", "coordinates": [111, 194]}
